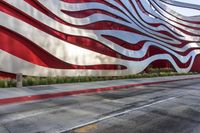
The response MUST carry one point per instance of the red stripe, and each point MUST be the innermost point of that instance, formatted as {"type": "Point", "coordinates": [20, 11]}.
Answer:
{"type": "Point", "coordinates": [125, 44]}
{"type": "Point", "coordinates": [77, 92]}
{"type": "Point", "coordinates": [196, 64]}
{"type": "Point", "coordinates": [27, 50]}
{"type": "Point", "coordinates": [89, 12]}
{"type": "Point", "coordinates": [140, 44]}
{"type": "Point", "coordinates": [154, 25]}
{"type": "Point", "coordinates": [104, 25]}
{"type": "Point", "coordinates": [95, 1]}
{"type": "Point", "coordinates": [84, 42]}
{"type": "Point", "coordinates": [5, 75]}
{"type": "Point", "coordinates": [85, 13]}
{"type": "Point", "coordinates": [187, 26]}
{"type": "Point", "coordinates": [192, 22]}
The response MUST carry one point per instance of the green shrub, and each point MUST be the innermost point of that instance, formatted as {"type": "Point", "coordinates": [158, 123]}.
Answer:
{"type": "Point", "coordinates": [7, 83]}
{"type": "Point", "coordinates": [30, 81]}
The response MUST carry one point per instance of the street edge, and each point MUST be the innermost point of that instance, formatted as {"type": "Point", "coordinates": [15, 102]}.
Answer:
{"type": "Point", "coordinates": [28, 98]}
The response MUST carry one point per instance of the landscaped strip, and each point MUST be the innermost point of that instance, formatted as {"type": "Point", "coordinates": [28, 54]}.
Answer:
{"type": "Point", "coordinates": [33, 81]}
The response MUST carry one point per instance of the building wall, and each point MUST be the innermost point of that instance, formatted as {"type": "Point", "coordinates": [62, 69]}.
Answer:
{"type": "Point", "coordinates": [96, 37]}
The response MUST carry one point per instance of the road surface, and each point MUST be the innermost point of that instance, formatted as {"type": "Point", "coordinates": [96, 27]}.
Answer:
{"type": "Point", "coordinates": [163, 108]}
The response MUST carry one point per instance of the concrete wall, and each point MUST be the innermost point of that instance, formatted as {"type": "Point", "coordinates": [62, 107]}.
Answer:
{"type": "Point", "coordinates": [96, 37]}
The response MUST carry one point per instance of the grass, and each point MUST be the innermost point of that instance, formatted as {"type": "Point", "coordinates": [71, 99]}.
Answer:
{"type": "Point", "coordinates": [31, 81]}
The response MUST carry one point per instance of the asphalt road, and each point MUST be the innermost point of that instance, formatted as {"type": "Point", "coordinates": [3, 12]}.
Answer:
{"type": "Point", "coordinates": [165, 108]}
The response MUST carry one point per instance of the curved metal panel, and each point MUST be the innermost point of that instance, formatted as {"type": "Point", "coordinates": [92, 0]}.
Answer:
{"type": "Point", "coordinates": [96, 37]}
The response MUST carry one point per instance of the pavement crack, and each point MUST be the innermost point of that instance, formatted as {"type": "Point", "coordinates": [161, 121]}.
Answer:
{"type": "Point", "coordinates": [7, 129]}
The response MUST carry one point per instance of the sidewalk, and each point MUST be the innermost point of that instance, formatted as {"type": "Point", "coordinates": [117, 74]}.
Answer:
{"type": "Point", "coordinates": [15, 95]}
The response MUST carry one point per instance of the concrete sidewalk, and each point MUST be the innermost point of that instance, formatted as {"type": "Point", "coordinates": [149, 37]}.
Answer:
{"type": "Point", "coordinates": [15, 95]}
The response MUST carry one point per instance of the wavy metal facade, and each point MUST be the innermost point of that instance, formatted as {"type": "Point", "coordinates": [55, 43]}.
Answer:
{"type": "Point", "coordinates": [96, 37]}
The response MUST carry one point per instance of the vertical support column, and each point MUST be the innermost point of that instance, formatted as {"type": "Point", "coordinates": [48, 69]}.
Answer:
{"type": "Point", "coordinates": [19, 79]}
{"type": "Point", "coordinates": [119, 66]}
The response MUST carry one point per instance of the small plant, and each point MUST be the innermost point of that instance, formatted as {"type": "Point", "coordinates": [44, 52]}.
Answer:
{"type": "Point", "coordinates": [30, 81]}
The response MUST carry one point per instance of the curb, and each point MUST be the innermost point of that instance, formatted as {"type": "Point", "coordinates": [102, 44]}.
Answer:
{"type": "Point", "coordinates": [78, 92]}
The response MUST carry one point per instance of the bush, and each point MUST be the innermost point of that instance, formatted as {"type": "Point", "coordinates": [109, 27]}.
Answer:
{"type": "Point", "coordinates": [30, 81]}
{"type": "Point", "coordinates": [7, 83]}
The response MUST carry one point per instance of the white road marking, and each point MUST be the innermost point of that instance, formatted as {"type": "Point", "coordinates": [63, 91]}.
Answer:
{"type": "Point", "coordinates": [117, 114]}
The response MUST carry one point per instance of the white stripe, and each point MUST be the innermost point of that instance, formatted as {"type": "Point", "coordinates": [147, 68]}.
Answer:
{"type": "Point", "coordinates": [151, 20]}
{"type": "Point", "coordinates": [186, 36]}
{"type": "Point", "coordinates": [117, 114]}
{"type": "Point", "coordinates": [70, 30]}
{"type": "Point", "coordinates": [39, 38]}
{"type": "Point", "coordinates": [134, 38]}
{"type": "Point", "coordinates": [85, 6]}
{"type": "Point", "coordinates": [27, 68]}
{"type": "Point", "coordinates": [49, 44]}
{"type": "Point", "coordinates": [164, 6]}
{"type": "Point", "coordinates": [90, 57]}
{"type": "Point", "coordinates": [65, 51]}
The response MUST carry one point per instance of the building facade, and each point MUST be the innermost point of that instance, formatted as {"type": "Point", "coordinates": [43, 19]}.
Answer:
{"type": "Point", "coordinates": [96, 37]}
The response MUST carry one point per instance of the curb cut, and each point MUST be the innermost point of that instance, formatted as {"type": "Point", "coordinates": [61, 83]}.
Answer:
{"type": "Point", "coordinates": [78, 92]}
